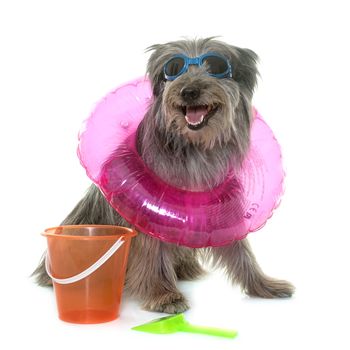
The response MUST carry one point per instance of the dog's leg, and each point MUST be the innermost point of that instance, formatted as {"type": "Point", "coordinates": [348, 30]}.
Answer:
{"type": "Point", "coordinates": [187, 266]}
{"type": "Point", "coordinates": [151, 275]}
{"type": "Point", "coordinates": [92, 209]}
{"type": "Point", "coordinates": [240, 264]}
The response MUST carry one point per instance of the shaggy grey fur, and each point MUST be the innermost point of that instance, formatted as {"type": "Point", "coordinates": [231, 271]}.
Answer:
{"type": "Point", "coordinates": [190, 159]}
{"type": "Point", "coordinates": [198, 159]}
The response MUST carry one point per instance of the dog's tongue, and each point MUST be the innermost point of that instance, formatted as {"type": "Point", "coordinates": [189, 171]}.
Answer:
{"type": "Point", "coordinates": [194, 113]}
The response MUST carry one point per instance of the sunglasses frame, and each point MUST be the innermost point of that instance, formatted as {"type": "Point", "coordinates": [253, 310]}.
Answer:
{"type": "Point", "coordinates": [198, 61]}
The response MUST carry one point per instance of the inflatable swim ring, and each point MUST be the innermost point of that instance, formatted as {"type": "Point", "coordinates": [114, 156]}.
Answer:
{"type": "Point", "coordinates": [241, 204]}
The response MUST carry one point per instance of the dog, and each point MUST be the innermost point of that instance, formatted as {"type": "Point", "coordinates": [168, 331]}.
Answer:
{"type": "Point", "coordinates": [197, 127]}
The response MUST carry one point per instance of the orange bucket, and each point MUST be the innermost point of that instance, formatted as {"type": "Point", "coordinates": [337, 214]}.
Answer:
{"type": "Point", "coordinates": [87, 264]}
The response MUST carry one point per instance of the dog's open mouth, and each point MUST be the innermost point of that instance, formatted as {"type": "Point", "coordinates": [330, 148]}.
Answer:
{"type": "Point", "coordinates": [197, 116]}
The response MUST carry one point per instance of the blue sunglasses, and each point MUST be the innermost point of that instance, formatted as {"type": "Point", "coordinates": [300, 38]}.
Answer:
{"type": "Point", "coordinates": [216, 65]}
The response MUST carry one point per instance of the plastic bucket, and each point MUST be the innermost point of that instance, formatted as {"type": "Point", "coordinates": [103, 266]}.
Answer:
{"type": "Point", "coordinates": [87, 264]}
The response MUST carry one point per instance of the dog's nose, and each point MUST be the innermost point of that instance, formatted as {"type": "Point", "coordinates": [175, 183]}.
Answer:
{"type": "Point", "coordinates": [190, 93]}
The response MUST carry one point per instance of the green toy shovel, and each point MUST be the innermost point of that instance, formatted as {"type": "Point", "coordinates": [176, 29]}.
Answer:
{"type": "Point", "coordinates": [177, 323]}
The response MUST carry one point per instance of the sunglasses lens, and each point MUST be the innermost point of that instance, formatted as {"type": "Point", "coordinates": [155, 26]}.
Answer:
{"type": "Point", "coordinates": [215, 65]}
{"type": "Point", "coordinates": [174, 66]}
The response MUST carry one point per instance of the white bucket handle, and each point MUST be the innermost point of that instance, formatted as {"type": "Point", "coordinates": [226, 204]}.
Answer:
{"type": "Point", "coordinates": [90, 269]}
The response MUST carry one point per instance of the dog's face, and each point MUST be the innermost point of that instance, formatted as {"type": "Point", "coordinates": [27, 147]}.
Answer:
{"type": "Point", "coordinates": [200, 107]}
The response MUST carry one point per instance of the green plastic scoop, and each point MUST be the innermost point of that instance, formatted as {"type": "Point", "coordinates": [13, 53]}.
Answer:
{"type": "Point", "coordinates": [177, 323]}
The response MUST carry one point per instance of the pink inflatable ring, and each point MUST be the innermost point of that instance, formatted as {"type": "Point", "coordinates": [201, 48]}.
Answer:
{"type": "Point", "coordinates": [241, 204]}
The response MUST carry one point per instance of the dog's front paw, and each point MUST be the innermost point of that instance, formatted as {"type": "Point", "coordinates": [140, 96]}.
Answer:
{"type": "Point", "coordinates": [170, 303]}
{"type": "Point", "coordinates": [270, 288]}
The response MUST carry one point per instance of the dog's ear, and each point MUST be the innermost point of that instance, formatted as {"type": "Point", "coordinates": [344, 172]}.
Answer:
{"type": "Point", "coordinates": [245, 70]}
{"type": "Point", "coordinates": [155, 68]}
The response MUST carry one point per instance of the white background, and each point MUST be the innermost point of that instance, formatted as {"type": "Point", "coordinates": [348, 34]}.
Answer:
{"type": "Point", "coordinates": [58, 58]}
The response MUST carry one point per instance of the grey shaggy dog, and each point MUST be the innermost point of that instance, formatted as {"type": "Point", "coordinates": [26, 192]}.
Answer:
{"type": "Point", "coordinates": [191, 157]}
